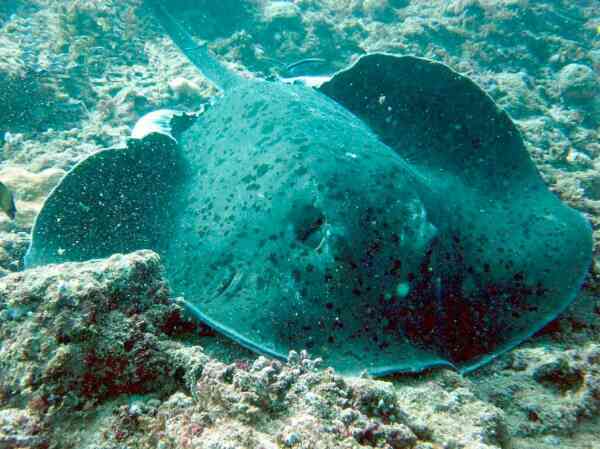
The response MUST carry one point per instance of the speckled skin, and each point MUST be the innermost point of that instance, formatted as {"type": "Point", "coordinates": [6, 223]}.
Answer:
{"type": "Point", "coordinates": [513, 48]}
{"type": "Point", "coordinates": [276, 221]}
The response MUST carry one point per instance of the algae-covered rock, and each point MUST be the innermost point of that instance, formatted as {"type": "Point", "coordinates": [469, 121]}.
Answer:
{"type": "Point", "coordinates": [280, 10]}
{"type": "Point", "coordinates": [82, 332]}
{"type": "Point", "coordinates": [33, 81]}
{"type": "Point", "coordinates": [20, 429]}
{"type": "Point", "coordinates": [382, 10]}
{"type": "Point", "coordinates": [12, 250]}
{"type": "Point", "coordinates": [32, 189]}
{"type": "Point", "coordinates": [577, 82]}
{"type": "Point", "coordinates": [277, 405]}
{"type": "Point", "coordinates": [534, 393]}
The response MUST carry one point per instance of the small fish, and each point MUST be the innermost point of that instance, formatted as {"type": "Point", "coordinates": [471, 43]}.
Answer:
{"type": "Point", "coordinates": [290, 68]}
{"type": "Point", "coordinates": [7, 201]}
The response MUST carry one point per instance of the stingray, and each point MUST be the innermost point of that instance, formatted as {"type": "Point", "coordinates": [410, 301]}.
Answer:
{"type": "Point", "coordinates": [390, 220]}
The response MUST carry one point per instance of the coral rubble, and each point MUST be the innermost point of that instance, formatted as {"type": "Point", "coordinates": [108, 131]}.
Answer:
{"type": "Point", "coordinates": [97, 355]}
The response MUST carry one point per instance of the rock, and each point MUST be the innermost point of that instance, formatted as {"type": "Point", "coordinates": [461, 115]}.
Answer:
{"type": "Point", "coordinates": [375, 7]}
{"type": "Point", "coordinates": [382, 9]}
{"type": "Point", "coordinates": [376, 398]}
{"type": "Point", "coordinates": [515, 93]}
{"type": "Point", "coordinates": [280, 10]}
{"type": "Point", "coordinates": [30, 190]}
{"type": "Point", "coordinates": [114, 59]}
{"type": "Point", "coordinates": [595, 58]}
{"type": "Point", "coordinates": [560, 373]}
{"type": "Point", "coordinates": [12, 250]}
{"type": "Point", "coordinates": [399, 436]}
{"type": "Point", "coordinates": [19, 429]}
{"type": "Point", "coordinates": [32, 94]}
{"type": "Point", "coordinates": [425, 446]}
{"type": "Point", "coordinates": [457, 7]}
{"type": "Point", "coordinates": [82, 331]}
{"type": "Point", "coordinates": [186, 90]}
{"type": "Point", "coordinates": [553, 394]}
{"type": "Point", "coordinates": [577, 82]}
{"type": "Point", "coordinates": [450, 414]}
{"type": "Point", "coordinates": [579, 160]}
{"type": "Point", "coordinates": [290, 439]}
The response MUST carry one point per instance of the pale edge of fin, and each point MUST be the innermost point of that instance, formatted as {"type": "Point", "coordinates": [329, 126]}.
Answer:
{"type": "Point", "coordinates": [161, 122]}
{"type": "Point", "coordinates": [194, 312]}
{"type": "Point", "coordinates": [310, 81]}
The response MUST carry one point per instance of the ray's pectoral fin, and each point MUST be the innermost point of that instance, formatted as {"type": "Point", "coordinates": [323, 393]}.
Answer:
{"type": "Point", "coordinates": [511, 255]}
{"type": "Point", "coordinates": [114, 201]}
{"type": "Point", "coordinates": [435, 118]}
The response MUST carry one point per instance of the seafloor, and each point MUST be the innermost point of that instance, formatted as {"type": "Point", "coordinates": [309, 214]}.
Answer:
{"type": "Point", "coordinates": [95, 355]}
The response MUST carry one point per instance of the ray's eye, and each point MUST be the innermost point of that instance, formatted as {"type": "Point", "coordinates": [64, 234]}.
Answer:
{"type": "Point", "coordinates": [309, 226]}
{"type": "Point", "coordinates": [308, 231]}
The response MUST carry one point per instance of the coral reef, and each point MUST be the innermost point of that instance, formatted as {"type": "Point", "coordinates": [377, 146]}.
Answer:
{"type": "Point", "coordinates": [577, 82]}
{"type": "Point", "coordinates": [18, 428]}
{"type": "Point", "coordinates": [77, 337]}
{"type": "Point", "coordinates": [12, 251]}
{"type": "Point", "coordinates": [96, 355]}
{"type": "Point", "coordinates": [103, 342]}
{"type": "Point", "coordinates": [77, 333]}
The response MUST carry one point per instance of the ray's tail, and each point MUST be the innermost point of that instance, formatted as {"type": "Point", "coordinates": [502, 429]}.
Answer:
{"type": "Point", "coordinates": [198, 55]}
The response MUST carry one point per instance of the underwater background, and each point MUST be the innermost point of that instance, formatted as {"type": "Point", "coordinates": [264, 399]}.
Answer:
{"type": "Point", "coordinates": [97, 355]}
